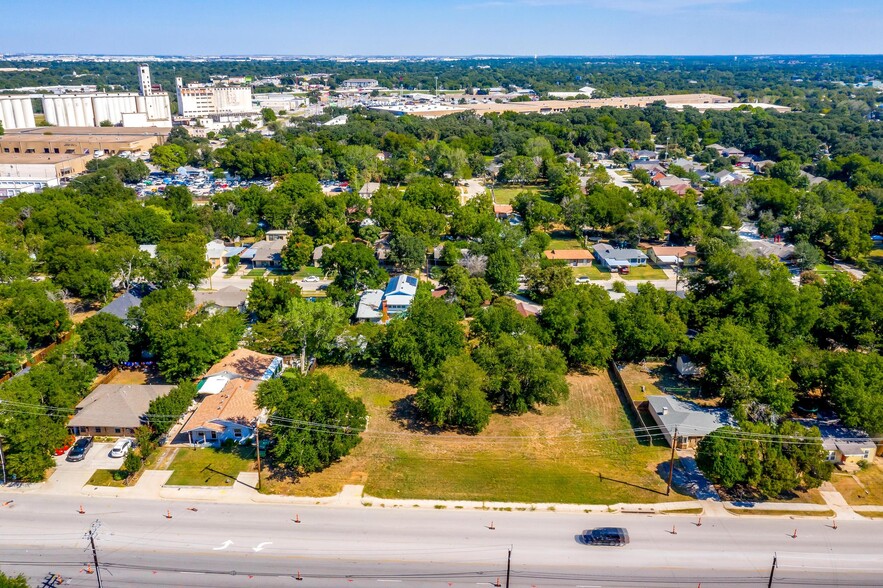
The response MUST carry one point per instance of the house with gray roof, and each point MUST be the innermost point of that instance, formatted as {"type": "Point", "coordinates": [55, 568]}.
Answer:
{"type": "Point", "coordinates": [689, 422]}
{"type": "Point", "coordinates": [115, 410]}
{"type": "Point", "coordinates": [120, 306]}
{"type": "Point", "coordinates": [228, 297]}
{"type": "Point", "coordinates": [378, 306]}
{"type": "Point", "coordinates": [614, 259]}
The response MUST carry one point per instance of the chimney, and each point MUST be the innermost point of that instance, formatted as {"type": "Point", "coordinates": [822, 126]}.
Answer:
{"type": "Point", "coordinates": [384, 317]}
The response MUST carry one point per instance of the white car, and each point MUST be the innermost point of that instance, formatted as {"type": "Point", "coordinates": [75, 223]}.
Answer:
{"type": "Point", "coordinates": [311, 279]}
{"type": "Point", "coordinates": [583, 280]}
{"type": "Point", "coordinates": [121, 448]}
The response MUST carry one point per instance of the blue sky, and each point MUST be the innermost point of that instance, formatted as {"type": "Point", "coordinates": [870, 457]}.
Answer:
{"type": "Point", "coordinates": [453, 27]}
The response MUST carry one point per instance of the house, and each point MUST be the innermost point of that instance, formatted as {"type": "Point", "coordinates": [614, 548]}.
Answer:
{"type": "Point", "coordinates": [687, 165]}
{"type": "Point", "coordinates": [725, 178]}
{"type": "Point", "coordinates": [573, 257]}
{"type": "Point", "coordinates": [733, 152]}
{"type": "Point", "coordinates": [717, 147]}
{"type": "Point", "coordinates": [645, 155]}
{"type": "Point", "coordinates": [649, 165]}
{"type": "Point", "coordinates": [114, 410]}
{"type": "Point", "coordinates": [265, 254]}
{"type": "Point", "coordinates": [684, 424]}
{"type": "Point", "coordinates": [762, 166]}
{"type": "Point", "coordinates": [368, 189]}
{"type": "Point", "coordinates": [613, 259]}
{"type": "Point", "coordinates": [246, 364]}
{"type": "Point", "coordinates": [228, 297]}
{"type": "Point", "coordinates": [277, 235]}
{"type": "Point", "coordinates": [503, 211]}
{"type": "Point", "coordinates": [377, 306]}
{"type": "Point", "coordinates": [676, 256]}
{"type": "Point", "coordinates": [766, 247]}
{"type": "Point", "coordinates": [218, 254]}
{"type": "Point", "coordinates": [848, 452]}
{"type": "Point", "coordinates": [677, 185]}
{"type": "Point", "coordinates": [122, 304]}
{"type": "Point", "coordinates": [686, 368]}
{"type": "Point", "coordinates": [573, 159]}
{"type": "Point", "coordinates": [231, 413]}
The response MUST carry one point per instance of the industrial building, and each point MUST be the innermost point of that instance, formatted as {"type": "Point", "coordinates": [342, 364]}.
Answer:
{"type": "Point", "coordinates": [196, 101]}
{"type": "Point", "coordinates": [128, 109]}
{"type": "Point", "coordinates": [359, 83]}
{"type": "Point", "coordinates": [80, 141]}
{"type": "Point", "coordinates": [277, 101]}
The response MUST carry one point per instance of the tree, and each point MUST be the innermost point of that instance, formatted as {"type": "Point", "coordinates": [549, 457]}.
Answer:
{"type": "Point", "coordinates": [355, 266]}
{"type": "Point", "coordinates": [168, 157]}
{"type": "Point", "coordinates": [519, 170]}
{"type": "Point", "coordinates": [180, 261]}
{"type": "Point", "coordinates": [427, 334]}
{"type": "Point", "coordinates": [233, 265]}
{"type": "Point", "coordinates": [311, 326]}
{"type": "Point", "coordinates": [854, 383]}
{"type": "Point", "coordinates": [268, 115]}
{"type": "Point", "coordinates": [806, 255]}
{"type": "Point", "coordinates": [164, 412]}
{"type": "Point", "coordinates": [34, 310]}
{"type": "Point", "coordinates": [267, 298]}
{"type": "Point", "coordinates": [454, 395]}
{"type": "Point", "coordinates": [502, 271]}
{"type": "Point", "coordinates": [545, 281]}
{"type": "Point", "coordinates": [187, 352]}
{"type": "Point", "coordinates": [408, 251]}
{"type": "Point", "coordinates": [578, 321]}
{"type": "Point", "coordinates": [311, 399]}
{"type": "Point", "coordinates": [432, 194]}
{"type": "Point", "coordinates": [298, 251]}
{"type": "Point", "coordinates": [104, 340]}
{"type": "Point", "coordinates": [621, 158]}
{"type": "Point", "coordinates": [119, 256]}
{"type": "Point", "coordinates": [467, 291]}
{"type": "Point", "coordinates": [19, 581]}
{"type": "Point", "coordinates": [12, 348]}
{"type": "Point", "coordinates": [648, 324]}
{"type": "Point", "coordinates": [522, 373]}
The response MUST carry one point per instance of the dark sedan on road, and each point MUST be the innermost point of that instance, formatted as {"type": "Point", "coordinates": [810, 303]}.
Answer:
{"type": "Point", "coordinates": [80, 449]}
{"type": "Point", "coordinates": [616, 536]}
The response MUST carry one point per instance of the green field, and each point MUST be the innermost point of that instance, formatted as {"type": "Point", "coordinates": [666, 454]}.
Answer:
{"type": "Point", "coordinates": [210, 467]}
{"type": "Point", "coordinates": [307, 271]}
{"type": "Point", "coordinates": [506, 194]}
{"type": "Point", "coordinates": [552, 455]}
{"type": "Point", "coordinates": [564, 240]}
{"type": "Point", "coordinates": [255, 273]}
{"type": "Point", "coordinates": [593, 272]}
{"type": "Point", "coordinates": [645, 272]}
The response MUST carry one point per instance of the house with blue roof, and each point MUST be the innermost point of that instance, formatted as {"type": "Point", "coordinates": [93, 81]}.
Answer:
{"type": "Point", "coordinates": [378, 306]}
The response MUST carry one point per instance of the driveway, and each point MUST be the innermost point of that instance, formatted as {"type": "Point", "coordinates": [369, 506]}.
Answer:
{"type": "Point", "coordinates": [69, 477]}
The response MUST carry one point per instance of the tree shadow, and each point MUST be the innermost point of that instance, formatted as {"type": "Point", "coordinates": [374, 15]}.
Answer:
{"type": "Point", "coordinates": [604, 478]}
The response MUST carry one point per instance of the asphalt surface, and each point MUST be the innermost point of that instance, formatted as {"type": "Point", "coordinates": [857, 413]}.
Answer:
{"type": "Point", "coordinates": [261, 545]}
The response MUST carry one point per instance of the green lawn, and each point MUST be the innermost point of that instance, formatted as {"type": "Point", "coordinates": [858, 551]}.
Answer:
{"type": "Point", "coordinates": [113, 478]}
{"type": "Point", "coordinates": [210, 467]}
{"type": "Point", "coordinates": [564, 240]}
{"type": "Point", "coordinates": [506, 194]}
{"type": "Point", "coordinates": [824, 268]}
{"type": "Point", "coordinates": [255, 273]}
{"type": "Point", "coordinates": [593, 272]}
{"type": "Point", "coordinates": [554, 463]}
{"type": "Point", "coordinates": [645, 272]}
{"type": "Point", "coordinates": [308, 271]}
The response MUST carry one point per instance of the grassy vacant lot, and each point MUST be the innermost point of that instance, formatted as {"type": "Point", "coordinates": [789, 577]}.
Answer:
{"type": "Point", "coordinates": [135, 376]}
{"type": "Point", "coordinates": [307, 271]}
{"type": "Point", "coordinates": [645, 272]}
{"type": "Point", "coordinates": [593, 272]}
{"type": "Point", "coordinates": [866, 487]}
{"type": "Point", "coordinates": [564, 240]}
{"type": "Point", "coordinates": [210, 467]}
{"type": "Point", "coordinates": [659, 378]}
{"type": "Point", "coordinates": [553, 455]}
{"type": "Point", "coordinates": [506, 195]}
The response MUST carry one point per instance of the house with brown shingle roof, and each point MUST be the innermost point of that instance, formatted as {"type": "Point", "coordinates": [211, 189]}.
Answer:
{"type": "Point", "coordinates": [573, 257]}
{"type": "Point", "coordinates": [232, 413]}
{"type": "Point", "coordinates": [247, 364]}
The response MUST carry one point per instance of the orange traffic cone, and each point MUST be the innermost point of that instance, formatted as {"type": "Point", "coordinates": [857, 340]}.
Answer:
{"type": "Point", "coordinates": [699, 522]}
{"type": "Point", "coordinates": [491, 526]}
{"type": "Point", "coordinates": [673, 530]}
{"type": "Point", "coordinates": [298, 576]}
{"type": "Point", "coordinates": [82, 510]}
{"type": "Point", "coordinates": [296, 518]}
{"type": "Point", "coordinates": [794, 536]}
{"type": "Point", "coordinates": [835, 523]}
{"type": "Point", "coordinates": [168, 514]}
{"type": "Point", "coordinates": [89, 569]}
{"type": "Point", "coordinates": [497, 583]}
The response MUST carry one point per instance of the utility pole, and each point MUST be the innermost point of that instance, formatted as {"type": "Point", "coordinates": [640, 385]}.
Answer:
{"type": "Point", "coordinates": [91, 535]}
{"type": "Point", "coordinates": [2, 461]}
{"type": "Point", "coordinates": [257, 443]}
{"type": "Point", "coordinates": [772, 571]}
{"type": "Point", "coordinates": [671, 461]}
{"type": "Point", "coordinates": [508, 566]}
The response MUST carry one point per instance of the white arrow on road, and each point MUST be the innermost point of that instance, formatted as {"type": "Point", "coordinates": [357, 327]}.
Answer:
{"type": "Point", "coordinates": [260, 546]}
{"type": "Point", "coordinates": [226, 544]}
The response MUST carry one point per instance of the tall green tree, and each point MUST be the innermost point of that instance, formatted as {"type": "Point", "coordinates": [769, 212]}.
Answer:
{"type": "Point", "coordinates": [578, 321]}
{"type": "Point", "coordinates": [104, 340]}
{"type": "Point", "coordinates": [454, 395]}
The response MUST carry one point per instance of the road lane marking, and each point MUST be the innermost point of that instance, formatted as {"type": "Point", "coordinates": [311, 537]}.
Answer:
{"type": "Point", "coordinates": [399, 581]}
{"type": "Point", "coordinates": [225, 545]}
{"type": "Point", "coordinates": [260, 546]}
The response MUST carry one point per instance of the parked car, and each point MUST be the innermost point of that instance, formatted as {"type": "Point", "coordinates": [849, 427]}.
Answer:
{"type": "Point", "coordinates": [121, 448]}
{"type": "Point", "coordinates": [624, 270]}
{"type": "Point", "coordinates": [311, 279]}
{"type": "Point", "coordinates": [80, 449]}
{"type": "Point", "coordinates": [583, 280]}
{"type": "Point", "coordinates": [615, 536]}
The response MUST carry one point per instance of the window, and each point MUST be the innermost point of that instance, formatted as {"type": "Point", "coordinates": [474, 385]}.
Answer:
{"type": "Point", "coordinates": [16, 150]}
{"type": "Point", "coordinates": [117, 430]}
{"type": "Point", "coordinates": [214, 435]}
{"type": "Point", "coordinates": [55, 150]}
{"type": "Point", "coordinates": [45, 149]}
{"type": "Point", "coordinates": [237, 433]}
{"type": "Point", "coordinates": [97, 429]}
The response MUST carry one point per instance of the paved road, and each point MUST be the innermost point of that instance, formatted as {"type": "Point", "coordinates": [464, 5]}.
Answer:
{"type": "Point", "coordinates": [138, 546]}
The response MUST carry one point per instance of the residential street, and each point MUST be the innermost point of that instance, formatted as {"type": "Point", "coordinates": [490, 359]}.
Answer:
{"type": "Point", "coordinates": [261, 545]}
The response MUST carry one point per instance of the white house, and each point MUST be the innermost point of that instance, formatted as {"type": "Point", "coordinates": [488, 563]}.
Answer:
{"type": "Point", "coordinates": [378, 306]}
{"type": "Point", "coordinates": [231, 413]}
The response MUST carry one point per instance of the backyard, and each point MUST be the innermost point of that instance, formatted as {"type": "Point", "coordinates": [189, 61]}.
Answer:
{"type": "Point", "coordinates": [552, 455]}
{"type": "Point", "coordinates": [507, 194]}
{"type": "Point", "coordinates": [208, 466]}
{"type": "Point", "coordinates": [862, 488]}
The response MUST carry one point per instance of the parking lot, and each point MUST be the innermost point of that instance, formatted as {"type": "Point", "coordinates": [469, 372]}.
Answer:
{"type": "Point", "coordinates": [71, 476]}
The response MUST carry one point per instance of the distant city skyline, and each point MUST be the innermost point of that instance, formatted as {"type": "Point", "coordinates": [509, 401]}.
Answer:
{"type": "Point", "coordinates": [455, 28]}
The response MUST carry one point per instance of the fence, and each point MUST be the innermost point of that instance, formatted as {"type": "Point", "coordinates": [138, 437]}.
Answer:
{"type": "Point", "coordinates": [40, 355]}
{"type": "Point", "coordinates": [635, 409]}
